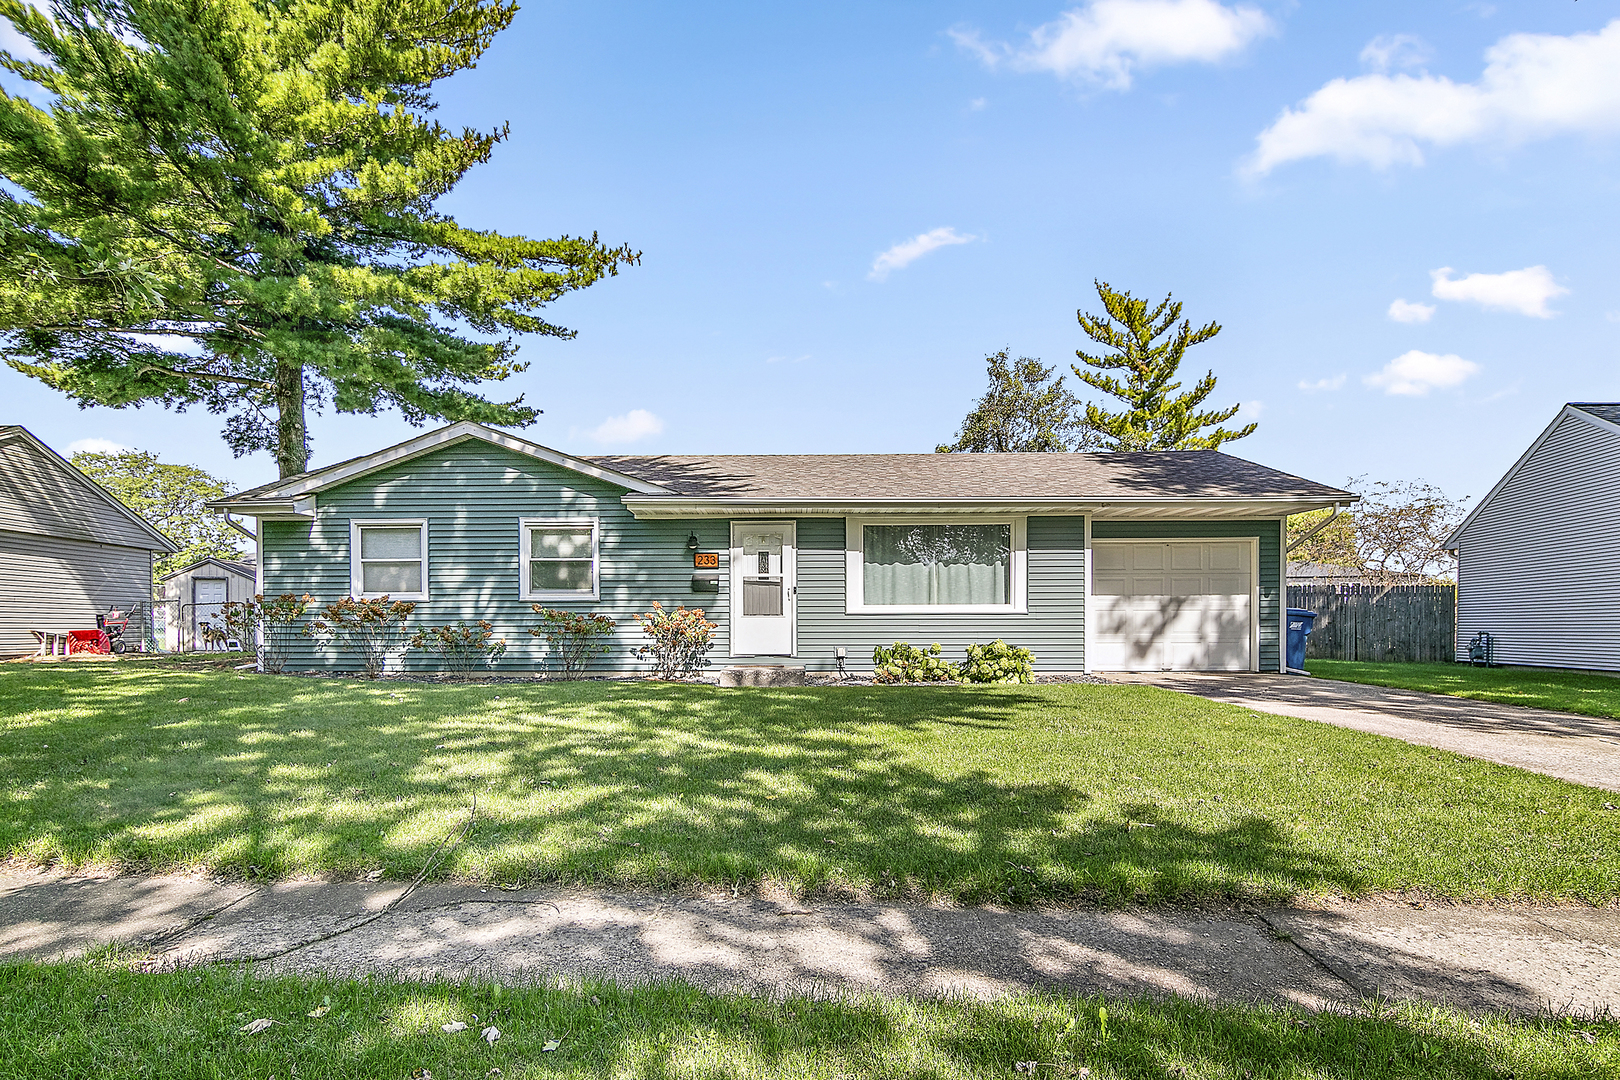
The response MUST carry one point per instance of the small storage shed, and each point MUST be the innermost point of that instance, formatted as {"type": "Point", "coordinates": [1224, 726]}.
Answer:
{"type": "Point", "coordinates": [194, 594]}
{"type": "Point", "coordinates": [1538, 560]}
{"type": "Point", "coordinates": [68, 549]}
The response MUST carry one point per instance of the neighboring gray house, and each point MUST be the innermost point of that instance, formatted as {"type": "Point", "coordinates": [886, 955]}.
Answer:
{"type": "Point", "coordinates": [1538, 560]}
{"type": "Point", "coordinates": [68, 549]}
{"type": "Point", "coordinates": [194, 594]}
{"type": "Point", "coordinates": [1093, 561]}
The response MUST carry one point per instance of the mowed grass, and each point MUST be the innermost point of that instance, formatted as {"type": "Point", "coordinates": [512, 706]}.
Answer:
{"type": "Point", "coordinates": [1010, 794]}
{"type": "Point", "coordinates": [98, 1019]}
{"type": "Point", "coordinates": [1585, 692]}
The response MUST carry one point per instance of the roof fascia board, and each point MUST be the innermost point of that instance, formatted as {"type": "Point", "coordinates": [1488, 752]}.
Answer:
{"type": "Point", "coordinates": [436, 440]}
{"type": "Point", "coordinates": [1598, 422]}
{"type": "Point", "coordinates": [665, 508]}
{"type": "Point", "coordinates": [165, 544]}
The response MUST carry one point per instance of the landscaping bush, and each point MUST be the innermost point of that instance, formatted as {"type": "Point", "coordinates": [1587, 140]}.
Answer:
{"type": "Point", "coordinates": [998, 662]}
{"type": "Point", "coordinates": [461, 648]}
{"type": "Point", "coordinates": [373, 628]}
{"type": "Point", "coordinates": [681, 640]}
{"type": "Point", "coordinates": [905, 663]}
{"type": "Point", "coordinates": [574, 637]}
{"type": "Point", "coordinates": [268, 624]}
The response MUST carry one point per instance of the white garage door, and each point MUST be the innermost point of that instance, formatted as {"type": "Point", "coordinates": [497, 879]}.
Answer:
{"type": "Point", "coordinates": [1182, 605]}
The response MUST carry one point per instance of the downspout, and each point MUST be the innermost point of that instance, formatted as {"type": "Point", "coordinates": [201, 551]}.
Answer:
{"type": "Point", "coordinates": [253, 536]}
{"type": "Point", "coordinates": [1325, 523]}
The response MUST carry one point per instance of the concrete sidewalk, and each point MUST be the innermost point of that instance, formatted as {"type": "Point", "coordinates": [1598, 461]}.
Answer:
{"type": "Point", "coordinates": [1521, 959]}
{"type": "Point", "coordinates": [1582, 749]}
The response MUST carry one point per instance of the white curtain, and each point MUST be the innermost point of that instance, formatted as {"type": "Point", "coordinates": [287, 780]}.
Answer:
{"type": "Point", "coordinates": [936, 564]}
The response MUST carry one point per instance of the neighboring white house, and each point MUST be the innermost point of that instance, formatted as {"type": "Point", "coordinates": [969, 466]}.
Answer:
{"type": "Point", "coordinates": [1538, 560]}
{"type": "Point", "coordinates": [194, 594]}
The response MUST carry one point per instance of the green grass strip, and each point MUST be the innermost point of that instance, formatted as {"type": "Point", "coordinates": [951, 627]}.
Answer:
{"type": "Point", "coordinates": [1585, 692]}
{"type": "Point", "coordinates": [1008, 794]}
{"type": "Point", "coordinates": [101, 1019]}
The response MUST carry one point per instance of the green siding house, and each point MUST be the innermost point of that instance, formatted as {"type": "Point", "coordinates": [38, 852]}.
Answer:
{"type": "Point", "coordinates": [1124, 561]}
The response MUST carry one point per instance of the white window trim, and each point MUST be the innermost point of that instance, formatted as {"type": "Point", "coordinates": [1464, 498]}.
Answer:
{"type": "Point", "coordinates": [355, 576]}
{"type": "Point", "coordinates": [854, 569]}
{"type": "Point", "coordinates": [524, 548]}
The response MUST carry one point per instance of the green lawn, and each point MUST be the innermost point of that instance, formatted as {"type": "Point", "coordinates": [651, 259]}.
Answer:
{"type": "Point", "coordinates": [1017, 794]}
{"type": "Point", "coordinates": [1583, 692]}
{"type": "Point", "coordinates": [100, 1019]}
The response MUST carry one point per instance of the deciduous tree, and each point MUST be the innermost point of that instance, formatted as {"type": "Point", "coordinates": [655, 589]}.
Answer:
{"type": "Point", "coordinates": [1396, 532]}
{"type": "Point", "coordinates": [173, 498]}
{"type": "Point", "coordinates": [1027, 409]}
{"type": "Point", "coordinates": [233, 204]}
{"type": "Point", "coordinates": [1146, 347]}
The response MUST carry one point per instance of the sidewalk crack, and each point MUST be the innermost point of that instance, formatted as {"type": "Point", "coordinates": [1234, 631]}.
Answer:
{"type": "Point", "coordinates": [1283, 934]}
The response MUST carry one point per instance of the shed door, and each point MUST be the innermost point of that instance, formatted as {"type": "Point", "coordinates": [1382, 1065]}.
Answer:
{"type": "Point", "coordinates": [1179, 605]}
{"type": "Point", "coordinates": [208, 598]}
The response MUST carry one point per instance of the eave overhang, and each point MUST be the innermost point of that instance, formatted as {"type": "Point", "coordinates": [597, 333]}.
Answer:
{"type": "Point", "coordinates": [665, 507]}
{"type": "Point", "coordinates": [302, 509]}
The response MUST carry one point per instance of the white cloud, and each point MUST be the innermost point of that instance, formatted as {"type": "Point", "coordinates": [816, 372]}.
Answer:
{"type": "Point", "coordinates": [977, 104]}
{"type": "Point", "coordinates": [1415, 373]}
{"type": "Point", "coordinates": [1524, 291]}
{"type": "Point", "coordinates": [1395, 51]}
{"type": "Point", "coordinates": [1250, 410]}
{"type": "Point", "coordinates": [633, 426]}
{"type": "Point", "coordinates": [1106, 40]}
{"type": "Point", "coordinates": [1331, 384]}
{"type": "Point", "coordinates": [787, 359]}
{"type": "Point", "coordinates": [95, 446]}
{"type": "Point", "coordinates": [907, 252]}
{"type": "Point", "coordinates": [1404, 311]}
{"type": "Point", "coordinates": [1534, 86]}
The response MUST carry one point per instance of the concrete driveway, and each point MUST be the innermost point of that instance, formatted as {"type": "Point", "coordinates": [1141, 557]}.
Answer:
{"type": "Point", "coordinates": [1584, 749]}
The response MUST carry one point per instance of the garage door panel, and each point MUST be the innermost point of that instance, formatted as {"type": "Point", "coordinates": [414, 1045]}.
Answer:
{"type": "Point", "coordinates": [1176, 605]}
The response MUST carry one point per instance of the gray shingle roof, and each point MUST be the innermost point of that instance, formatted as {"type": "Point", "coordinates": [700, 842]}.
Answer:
{"type": "Point", "coordinates": [1161, 474]}
{"type": "Point", "coordinates": [1603, 410]}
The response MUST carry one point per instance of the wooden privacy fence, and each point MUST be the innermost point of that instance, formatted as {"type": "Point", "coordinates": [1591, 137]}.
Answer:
{"type": "Point", "coordinates": [1402, 623]}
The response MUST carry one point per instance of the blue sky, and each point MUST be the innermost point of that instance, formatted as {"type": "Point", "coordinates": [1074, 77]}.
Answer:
{"type": "Point", "coordinates": [1290, 170]}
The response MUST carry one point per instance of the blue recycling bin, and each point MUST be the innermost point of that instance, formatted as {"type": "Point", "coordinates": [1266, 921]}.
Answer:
{"type": "Point", "coordinates": [1300, 623]}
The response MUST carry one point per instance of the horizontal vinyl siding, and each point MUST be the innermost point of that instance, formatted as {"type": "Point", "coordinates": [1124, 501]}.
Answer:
{"type": "Point", "coordinates": [49, 583]}
{"type": "Point", "coordinates": [1053, 629]}
{"type": "Point", "coordinates": [40, 495]}
{"type": "Point", "coordinates": [472, 496]}
{"type": "Point", "coordinates": [1539, 566]}
{"type": "Point", "coordinates": [1270, 537]}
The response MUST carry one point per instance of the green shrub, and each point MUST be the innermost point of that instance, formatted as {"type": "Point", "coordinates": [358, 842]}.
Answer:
{"type": "Point", "coordinates": [998, 662]}
{"type": "Point", "coordinates": [372, 627]}
{"type": "Point", "coordinates": [681, 640]}
{"type": "Point", "coordinates": [573, 636]}
{"type": "Point", "coordinates": [905, 663]}
{"type": "Point", "coordinates": [460, 647]}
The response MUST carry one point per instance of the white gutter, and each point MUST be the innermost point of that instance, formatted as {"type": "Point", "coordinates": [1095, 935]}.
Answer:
{"type": "Point", "coordinates": [668, 507]}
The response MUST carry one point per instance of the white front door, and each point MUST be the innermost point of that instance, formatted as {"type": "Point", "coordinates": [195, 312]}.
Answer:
{"type": "Point", "coordinates": [762, 588]}
{"type": "Point", "coordinates": [1181, 605]}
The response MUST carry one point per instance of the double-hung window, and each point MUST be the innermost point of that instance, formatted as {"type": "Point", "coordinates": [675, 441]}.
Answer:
{"type": "Point", "coordinates": [389, 558]}
{"type": "Point", "coordinates": [936, 566]}
{"type": "Point", "coordinates": [560, 558]}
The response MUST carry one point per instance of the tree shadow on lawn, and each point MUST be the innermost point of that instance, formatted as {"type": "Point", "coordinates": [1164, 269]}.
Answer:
{"type": "Point", "coordinates": [818, 790]}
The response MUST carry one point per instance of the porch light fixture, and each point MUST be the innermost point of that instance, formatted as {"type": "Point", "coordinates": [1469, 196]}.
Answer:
{"type": "Point", "coordinates": [692, 542]}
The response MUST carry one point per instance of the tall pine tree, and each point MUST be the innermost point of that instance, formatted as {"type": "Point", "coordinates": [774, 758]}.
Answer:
{"type": "Point", "coordinates": [1147, 347]}
{"type": "Point", "coordinates": [231, 203]}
